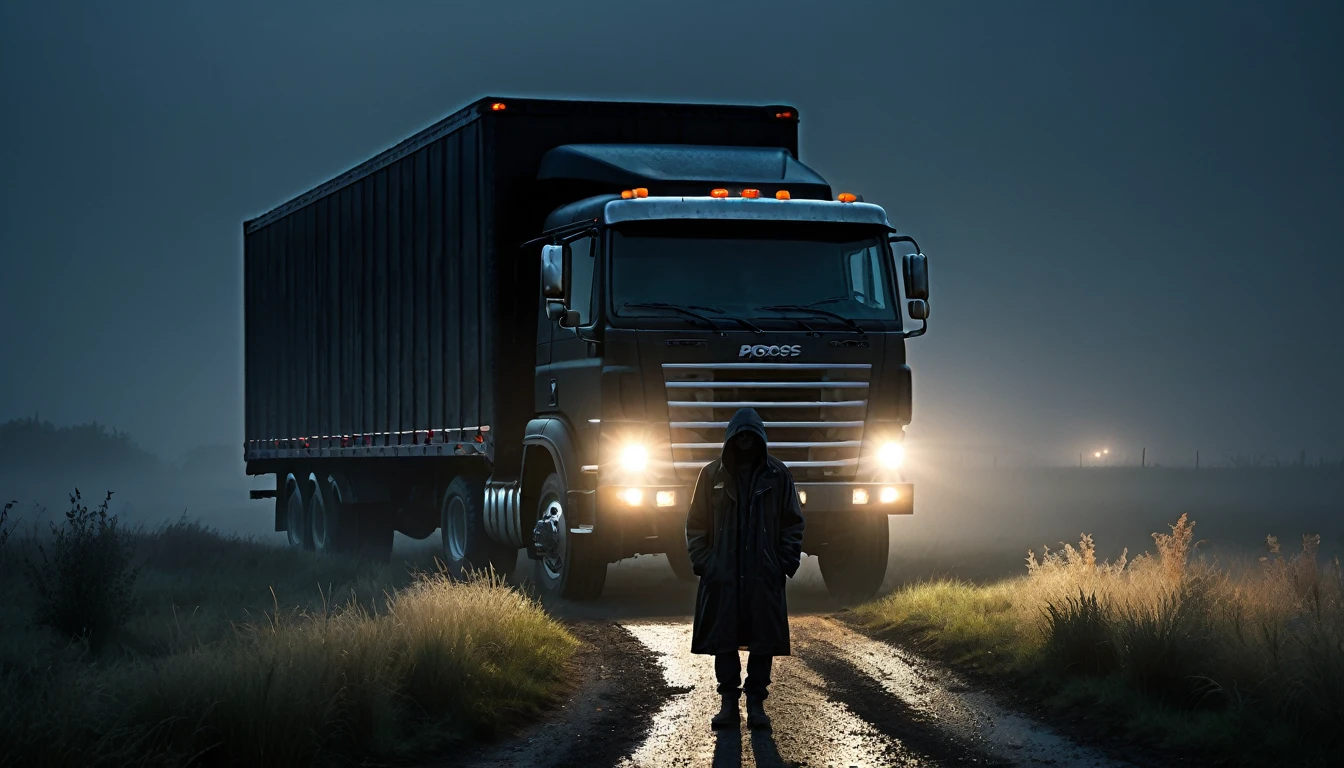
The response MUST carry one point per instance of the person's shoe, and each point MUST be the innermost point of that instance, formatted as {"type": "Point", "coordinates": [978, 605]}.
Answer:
{"type": "Point", "coordinates": [757, 720]}
{"type": "Point", "coordinates": [728, 716]}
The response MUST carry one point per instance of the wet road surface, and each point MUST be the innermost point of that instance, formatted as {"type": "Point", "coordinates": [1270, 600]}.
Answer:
{"type": "Point", "coordinates": [843, 699]}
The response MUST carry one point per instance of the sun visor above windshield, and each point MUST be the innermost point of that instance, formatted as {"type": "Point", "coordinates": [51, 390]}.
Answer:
{"type": "Point", "coordinates": [671, 169]}
{"type": "Point", "coordinates": [706, 208]}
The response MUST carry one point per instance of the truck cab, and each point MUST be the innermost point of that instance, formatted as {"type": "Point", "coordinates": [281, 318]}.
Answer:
{"type": "Point", "coordinates": [661, 312]}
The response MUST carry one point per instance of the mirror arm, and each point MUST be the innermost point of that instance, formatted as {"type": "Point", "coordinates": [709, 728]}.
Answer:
{"type": "Point", "coordinates": [923, 327]}
{"type": "Point", "coordinates": [905, 239]}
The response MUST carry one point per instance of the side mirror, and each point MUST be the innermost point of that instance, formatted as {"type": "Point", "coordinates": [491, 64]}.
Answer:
{"type": "Point", "coordinates": [916, 271]}
{"type": "Point", "coordinates": [553, 258]}
{"type": "Point", "coordinates": [918, 309]}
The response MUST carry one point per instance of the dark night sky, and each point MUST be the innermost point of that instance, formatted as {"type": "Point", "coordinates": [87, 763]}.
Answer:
{"type": "Point", "coordinates": [1133, 214]}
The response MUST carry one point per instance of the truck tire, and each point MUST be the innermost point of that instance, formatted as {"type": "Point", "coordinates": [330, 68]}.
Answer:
{"type": "Point", "coordinates": [296, 515]}
{"type": "Point", "coordinates": [570, 567]}
{"type": "Point", "coordinates": [855, 564]}
{"type": "Point", "coordinates": [466, 545]}
{"type": "Point", "coordinates": [331, 529]}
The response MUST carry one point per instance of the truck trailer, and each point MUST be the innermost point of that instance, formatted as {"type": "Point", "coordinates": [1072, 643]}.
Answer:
{"type": "Point", "coordinates": [526, 327]}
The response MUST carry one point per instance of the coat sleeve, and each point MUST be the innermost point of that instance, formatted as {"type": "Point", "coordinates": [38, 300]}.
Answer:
{"type": "Point", "coordinates": [791, 526]}
{"type": "Point", "coordinates": [700, 523]}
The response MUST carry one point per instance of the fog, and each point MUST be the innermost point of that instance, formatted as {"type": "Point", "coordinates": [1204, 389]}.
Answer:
{"type": "Point", "coordinates": [1131, 213]}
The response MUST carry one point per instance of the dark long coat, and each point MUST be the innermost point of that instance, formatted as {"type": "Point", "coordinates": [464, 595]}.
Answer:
{"type": "Point", "coordinates": [742, 568]}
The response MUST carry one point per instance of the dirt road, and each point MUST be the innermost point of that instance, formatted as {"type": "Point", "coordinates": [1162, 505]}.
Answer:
{"type": "Point", "coordinates": [843, 699]}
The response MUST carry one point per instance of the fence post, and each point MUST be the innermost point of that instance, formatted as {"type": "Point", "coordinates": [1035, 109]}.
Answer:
{"type": "Point", "coordinates": [1196, 459]}
{"type": "Point", "coordinates": [1143, 460]}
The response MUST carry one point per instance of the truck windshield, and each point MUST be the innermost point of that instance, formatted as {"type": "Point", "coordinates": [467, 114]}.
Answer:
{"type": "Point", "coordinates": [745, 269]}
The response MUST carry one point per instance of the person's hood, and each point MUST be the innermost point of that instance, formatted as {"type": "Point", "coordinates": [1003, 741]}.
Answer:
{"type": "Point", "coordinates": [745, 420]}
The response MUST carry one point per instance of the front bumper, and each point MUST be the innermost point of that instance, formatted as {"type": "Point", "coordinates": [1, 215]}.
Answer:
{"type": "Point", "coordinates": [823, 498]}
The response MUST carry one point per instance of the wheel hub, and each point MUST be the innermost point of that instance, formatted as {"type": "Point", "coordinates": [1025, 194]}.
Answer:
{"type": "Point", "coordinates": [548, 538]}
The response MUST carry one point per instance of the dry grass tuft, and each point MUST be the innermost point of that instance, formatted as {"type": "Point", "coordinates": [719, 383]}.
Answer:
{"type": "Point", "coordinates": [1251, 650]}
{"type": "Point", "coordinates": [222, 668]}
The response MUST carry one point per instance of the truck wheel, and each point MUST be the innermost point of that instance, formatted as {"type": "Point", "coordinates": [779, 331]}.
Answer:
{"type": "Point", "coordinates": [570, 567]}
{"type": "Point", "coordinates": [855, 565]}
{"type": "Point", "coordinates": [296, 516]}
{"type": "Point", "coordinates": [466, 545]}
{"type": "Point", "coordinates": [331, 530]}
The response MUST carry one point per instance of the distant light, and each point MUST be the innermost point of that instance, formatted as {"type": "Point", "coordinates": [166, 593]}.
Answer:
{"type": "Point", "coordinates": [888, 495]}
{"type": "Point", "coordinates": [720, 192]}
{"type": "Point", "coordinates": [1097, 454]}
{"type": "Point", "coordinates": [860, 496]}
{"type": "Point", "coordinates": [1108, 450]}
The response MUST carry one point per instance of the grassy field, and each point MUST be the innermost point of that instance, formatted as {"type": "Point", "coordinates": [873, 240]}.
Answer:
{"type": "Point", "coordinates": [1242, 661]}
{"type": "Point", "coordinates": [242, 653]}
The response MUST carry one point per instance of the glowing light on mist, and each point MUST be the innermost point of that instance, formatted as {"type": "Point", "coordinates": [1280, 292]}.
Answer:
{"type": "Point", "coordinates": [1097, 454]}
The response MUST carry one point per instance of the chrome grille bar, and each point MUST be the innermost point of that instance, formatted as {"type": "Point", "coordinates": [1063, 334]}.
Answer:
{"type": "Point", "coordinates": [771, 425]}
{"type": "Point", "coordinates": [771, 366]}
{"type": "Point", "coordinates": [767, 385]}
{"type": "Point", "coordinates": [766, 404]}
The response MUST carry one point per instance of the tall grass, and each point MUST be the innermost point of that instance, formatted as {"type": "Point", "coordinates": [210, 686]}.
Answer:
{"type": "Point", "coordinates": [1180, 648]}
{"type": "Point", "coordinates": [233, 661]}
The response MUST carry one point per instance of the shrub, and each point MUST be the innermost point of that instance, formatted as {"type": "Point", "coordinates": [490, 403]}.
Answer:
{"type": "Point", "coordinates": [4, 522]}
{"type": "Point", "coordinates": [1080, 638]}
{"type": "Point", "coordinates": [84, 579]}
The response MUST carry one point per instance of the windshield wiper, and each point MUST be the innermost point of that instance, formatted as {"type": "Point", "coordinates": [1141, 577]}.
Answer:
{"type": "Point", "coordinates": [718, 311]}
{"type": "Point", "coordinates": [674, 307]}
{"type": "Point", "coordinates": [814, 310]}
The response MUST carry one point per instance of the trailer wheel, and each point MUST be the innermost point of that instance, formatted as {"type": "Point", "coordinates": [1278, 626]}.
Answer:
{"type": "Point", "coordinates": [331, 529]}
{"type": "Point", "coordinates": [296, 515]}
{"type": "Point", "coordinates": [570, 566]}
{"type": "Point", "coordinates": [466, 545]}
{"type": "Point", "coordinates": [855, 564]}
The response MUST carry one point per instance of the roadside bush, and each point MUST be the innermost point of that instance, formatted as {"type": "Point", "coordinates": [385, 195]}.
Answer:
{"type": "Point", "coordinates": [84, 578]}
{"type": "Point", "coordinates": [1080, 638]}
{"type": "Point", "coordinates": [4, 523]}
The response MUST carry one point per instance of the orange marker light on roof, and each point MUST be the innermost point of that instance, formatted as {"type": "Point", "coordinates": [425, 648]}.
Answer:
{"type": "Point", "coordinates": [784, 115]}
{"type": "Point", "coordinates": [640, 192]}
{"type": "Point", "coordinates": [782, 194]}
{"type": "Point", "coordinates": [846, 197]}
{"type": "Point", "coordinates": [751, 194]}
{"type": "Point", "coordinates": [626, 194]}
{"type": "Point", "coordinates": [498, 106]}
{"type": "Point", "coordinates": [718, 192]}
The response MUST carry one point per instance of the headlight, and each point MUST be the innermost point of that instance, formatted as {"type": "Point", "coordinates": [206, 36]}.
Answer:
{"type": "Point", "coordinates": [891, 455]}
{"type": "Point", "coordinates": [634, 458]}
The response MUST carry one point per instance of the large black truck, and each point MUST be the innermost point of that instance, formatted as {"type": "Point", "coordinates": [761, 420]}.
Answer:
{"type": "Point", "coordinates": [526, 327]}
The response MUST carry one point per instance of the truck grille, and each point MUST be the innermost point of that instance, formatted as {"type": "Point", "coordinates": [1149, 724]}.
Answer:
{"type": "Point", "coordinates": [813, 413]}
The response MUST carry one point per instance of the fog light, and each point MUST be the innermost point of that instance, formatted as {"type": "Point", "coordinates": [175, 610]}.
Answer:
{"type": "Point", "coordinates": [802, 497]}
{"type": "Point", "coordinates": [632, 496]}
{"type": "Point", "coordinates": [888, 495]}
{"type": "Point", "coordinates": [891, 455]}
{"type": "Point", "coordinates": [666, 498]}
{"type": "Point", "coordinates": [860, 495]}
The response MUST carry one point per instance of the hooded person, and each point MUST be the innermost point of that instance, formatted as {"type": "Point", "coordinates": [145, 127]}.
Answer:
{"type": "Point", "coordinates": [744, 534]}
